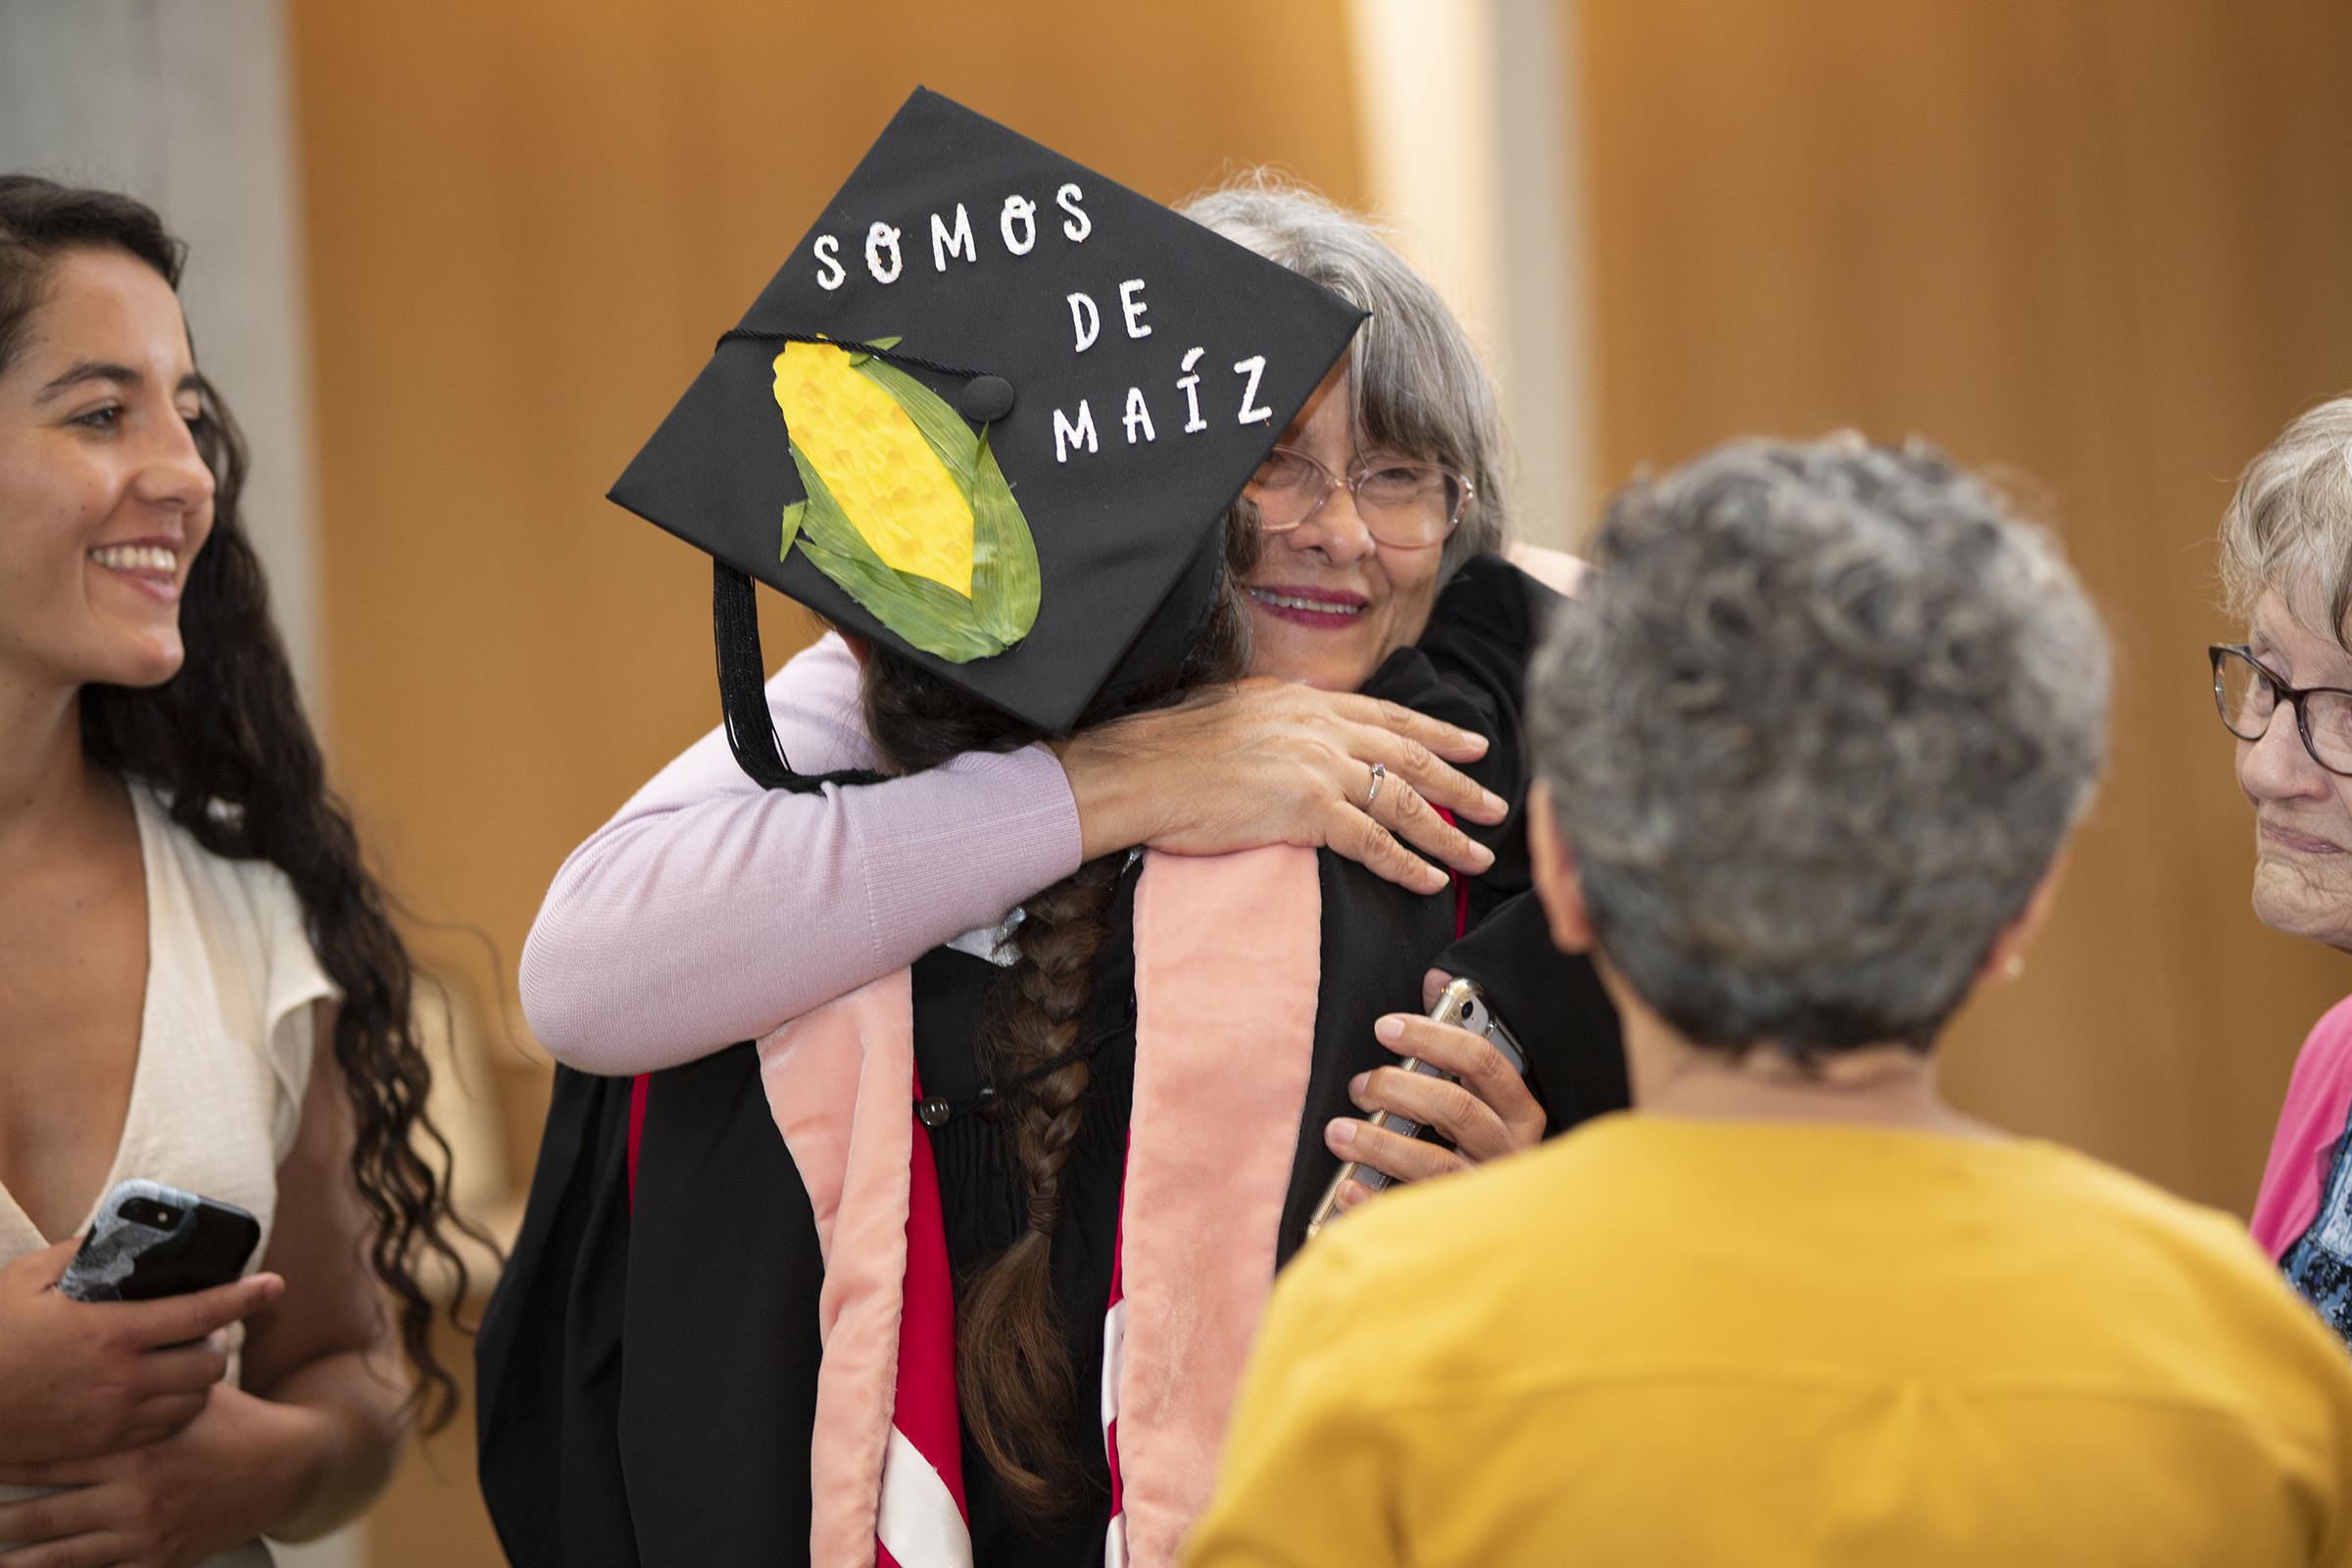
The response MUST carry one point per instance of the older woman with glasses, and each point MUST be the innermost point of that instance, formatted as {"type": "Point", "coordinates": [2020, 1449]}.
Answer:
{"type": "Point", "coordinates": [2286, 564]}
{"type": "Point", "coordinates": [1808, 754]}
{"type": "Point", "coordinates": [1395, 633]}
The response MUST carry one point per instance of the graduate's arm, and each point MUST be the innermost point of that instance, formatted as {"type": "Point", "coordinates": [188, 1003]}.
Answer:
{"type": "Point", "coordinates": [710, 909]}
{"type": "Point", "coordinates": [1555, 569]}
{"type": "Point", "coordinates": [1308, 1476]}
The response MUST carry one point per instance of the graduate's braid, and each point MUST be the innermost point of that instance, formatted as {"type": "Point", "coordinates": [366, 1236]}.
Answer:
{"type": "Point", "coordinates": [1012, 1366]}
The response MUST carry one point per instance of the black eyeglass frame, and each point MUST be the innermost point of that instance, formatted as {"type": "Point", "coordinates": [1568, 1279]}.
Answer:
{"type": "Point", "coordinates": [2281, 692]}
{"type": "Point", "coordinates": [1355, 481]}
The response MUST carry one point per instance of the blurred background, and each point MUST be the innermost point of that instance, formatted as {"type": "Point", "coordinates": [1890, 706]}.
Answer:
{"type": "Point", "coordinates": [454, 259]}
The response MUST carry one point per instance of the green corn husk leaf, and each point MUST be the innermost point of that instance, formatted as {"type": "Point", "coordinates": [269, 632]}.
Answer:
{"type": "Point", "coordinates": [943, 428]}
{"type": "Point", "coordinates": [929, 616]}
{"type": "Point", "coordinates": [1004, 571]}
{"type": "Point", "coordinates": [882, 343]}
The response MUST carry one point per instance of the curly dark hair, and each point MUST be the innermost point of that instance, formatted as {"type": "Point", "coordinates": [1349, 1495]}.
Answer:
{"type": "Point", "coordinates": [225, 741]}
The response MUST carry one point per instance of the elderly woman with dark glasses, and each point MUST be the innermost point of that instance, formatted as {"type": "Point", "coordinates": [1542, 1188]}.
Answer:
{"type": "Point", "coordinates": [2286, 563]}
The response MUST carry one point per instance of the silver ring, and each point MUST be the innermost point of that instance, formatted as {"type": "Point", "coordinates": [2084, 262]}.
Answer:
{"type": "Point", "coordinates": [1380, 770]}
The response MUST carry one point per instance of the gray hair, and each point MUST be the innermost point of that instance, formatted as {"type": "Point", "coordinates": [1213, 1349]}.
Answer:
{"type": "Point", "coordinates": [1414, 381]}
{"type": "Point", "coordinates": [1816, 729]}
{"type": "Point", "coordinates": [2289, 526]}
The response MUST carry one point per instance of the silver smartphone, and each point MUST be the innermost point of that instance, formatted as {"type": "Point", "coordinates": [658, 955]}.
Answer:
{"type": "Point", "coordinates": [1463, 1004]}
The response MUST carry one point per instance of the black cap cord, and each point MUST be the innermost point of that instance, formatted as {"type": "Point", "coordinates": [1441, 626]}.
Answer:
{"type": "Point", "coordinates": [986, 398]}
{"type": "Point", "coordinates": [743, 681]}
{"type": "Point", "coordinates": [743, 691]}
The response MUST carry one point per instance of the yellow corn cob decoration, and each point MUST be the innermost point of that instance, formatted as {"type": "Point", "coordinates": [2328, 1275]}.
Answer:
{"type": "Point", "coordinates": [888, 481]}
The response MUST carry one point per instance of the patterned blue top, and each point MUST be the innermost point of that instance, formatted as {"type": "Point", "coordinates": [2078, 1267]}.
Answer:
{"type": "Point", "coordinates": [2319, 1263]}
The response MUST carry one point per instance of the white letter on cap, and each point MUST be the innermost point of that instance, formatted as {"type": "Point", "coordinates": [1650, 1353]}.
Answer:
{"type": "Point", "coordinates": [1136, 415]}
{"type": "Point", "coordinates": [828, 251]}
{"type": "Point", "coordinates": [1191, 383]}
{"type": "Point", "coordinates": [876, 237]}
{"type": "Point", "coordinates": [1022, 210]}
{"type": "Point", "coordinates": [1079, 225]}
{"type": "Point", "coordinates": [1067, 435]}
{"type": "Point", "coordinates": [1086, 318]}
{"type": "Point", "coordinates": [960, 243]}
{"type": "Point", "coordinates": [1253, 366]}
{"type": "Point", "coordinates": [1132, 307]}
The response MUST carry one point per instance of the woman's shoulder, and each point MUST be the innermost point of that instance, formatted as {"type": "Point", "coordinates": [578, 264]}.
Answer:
{"type": "Point", "coordinates": [2320, 1089]}
{"type": "Point", "coordinates": [1469, 664]}
{"type": "Point", "coordinates": [2329, 1041]}
{"type": "Point", "coordinates": [253, 899]}
{"type": "Point", "coordinates": [243, 923]}
{"type": "Point", "coordinates": [2323, 1075]}
{"type": "Point", "coordinates": [1492, 607]}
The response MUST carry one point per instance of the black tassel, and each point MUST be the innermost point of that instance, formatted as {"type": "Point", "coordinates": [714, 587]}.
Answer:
{"type": "Point", "coordinates": [743, 681]}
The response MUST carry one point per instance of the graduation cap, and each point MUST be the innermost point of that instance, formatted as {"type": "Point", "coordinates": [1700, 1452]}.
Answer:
{"type": "Point", "coordinates": [991, 412]}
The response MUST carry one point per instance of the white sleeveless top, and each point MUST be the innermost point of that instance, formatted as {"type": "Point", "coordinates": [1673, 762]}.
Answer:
{"type": "Point", "coordinates": [224, 1045]}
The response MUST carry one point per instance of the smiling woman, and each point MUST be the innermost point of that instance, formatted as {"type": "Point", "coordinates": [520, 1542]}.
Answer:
{"type": "Point", "coordinates": [198, 981]}
{"type": "Point", "coordinates": [2284, 694]}
{"type": "Point", "coordinates": [1407, 438]}
{"type": "Point", "coordinates": [1382, 513]}
{"type": "Point", "coordinates": [100, 475]}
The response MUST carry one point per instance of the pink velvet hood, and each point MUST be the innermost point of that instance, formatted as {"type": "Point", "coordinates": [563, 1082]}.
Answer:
{"type": "Point", "coordinates": [1227, 970]}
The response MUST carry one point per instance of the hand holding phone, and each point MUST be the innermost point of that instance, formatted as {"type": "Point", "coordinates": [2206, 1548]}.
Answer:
{"type": "Point", "coordinates": [1494, 1114]}
{"type": "Point", "coordinates": [81, 1380]}
{"type": "Point", "coordinates": [152, 1241]}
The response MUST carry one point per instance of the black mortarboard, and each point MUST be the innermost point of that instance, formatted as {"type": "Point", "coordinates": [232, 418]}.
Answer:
{"type": "Point", "coordinates": [1087, 377]}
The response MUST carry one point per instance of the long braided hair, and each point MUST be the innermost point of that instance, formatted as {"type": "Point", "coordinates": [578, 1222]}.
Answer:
{"type": "Point", "coordinates": [1012, 1369]}
{"type": "Point", "coordinates": [226, 739]}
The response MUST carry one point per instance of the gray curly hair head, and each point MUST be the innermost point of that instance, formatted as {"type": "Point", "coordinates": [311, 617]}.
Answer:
{"type": "Point", "coordinates": [2289, 526]}
{"type": "Point", "coordinates": [1415, 382]}
{"type": "Point", "coordinates": [1816, 730]}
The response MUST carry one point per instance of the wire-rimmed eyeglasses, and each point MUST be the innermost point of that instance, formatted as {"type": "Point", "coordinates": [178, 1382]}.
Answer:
{"type": "Point", "coordinates": [1408, 505]}
{"type": "Point", "coordinates": [2248, 696]}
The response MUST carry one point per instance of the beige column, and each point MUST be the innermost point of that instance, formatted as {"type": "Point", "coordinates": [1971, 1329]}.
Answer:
{"type": "Point", "coordinates": [1470, 122]}
{"type": "Point", "coordinates": [185, 104]}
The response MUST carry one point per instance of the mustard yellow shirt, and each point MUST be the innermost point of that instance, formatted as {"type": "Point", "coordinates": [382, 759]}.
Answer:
{"type": "Point", "coordinates": [1661, 1341]}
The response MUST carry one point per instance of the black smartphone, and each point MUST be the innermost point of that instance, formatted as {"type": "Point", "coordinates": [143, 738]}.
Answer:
{"type": "Point", "coordinates": [152, 1240]}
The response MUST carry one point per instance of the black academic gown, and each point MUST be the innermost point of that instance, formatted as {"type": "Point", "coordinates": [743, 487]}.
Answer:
{"type": "Point", "coordinates": [648, 1364]}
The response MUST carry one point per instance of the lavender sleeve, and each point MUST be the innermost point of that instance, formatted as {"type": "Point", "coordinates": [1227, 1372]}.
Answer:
{"type": "Point", "coordinates": [709, 910]}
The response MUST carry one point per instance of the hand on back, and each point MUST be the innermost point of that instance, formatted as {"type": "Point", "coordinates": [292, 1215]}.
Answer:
{"type": "Point", "coordinates": [1266, 762]}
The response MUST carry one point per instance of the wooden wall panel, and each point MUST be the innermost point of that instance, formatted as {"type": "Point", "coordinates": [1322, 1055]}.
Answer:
{"type": "Point", "coordinates": [2101, 245]}
{"type": "Point", "coordinates": [526, 224]}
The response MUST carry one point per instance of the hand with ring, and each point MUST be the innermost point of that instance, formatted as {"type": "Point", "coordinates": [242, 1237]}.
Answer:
{"type": "Point", "coordinates": [1266, 762]}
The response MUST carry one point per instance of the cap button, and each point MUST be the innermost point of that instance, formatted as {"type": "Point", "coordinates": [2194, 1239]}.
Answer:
{"type": "Point", "coordinates": [986, 398]}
